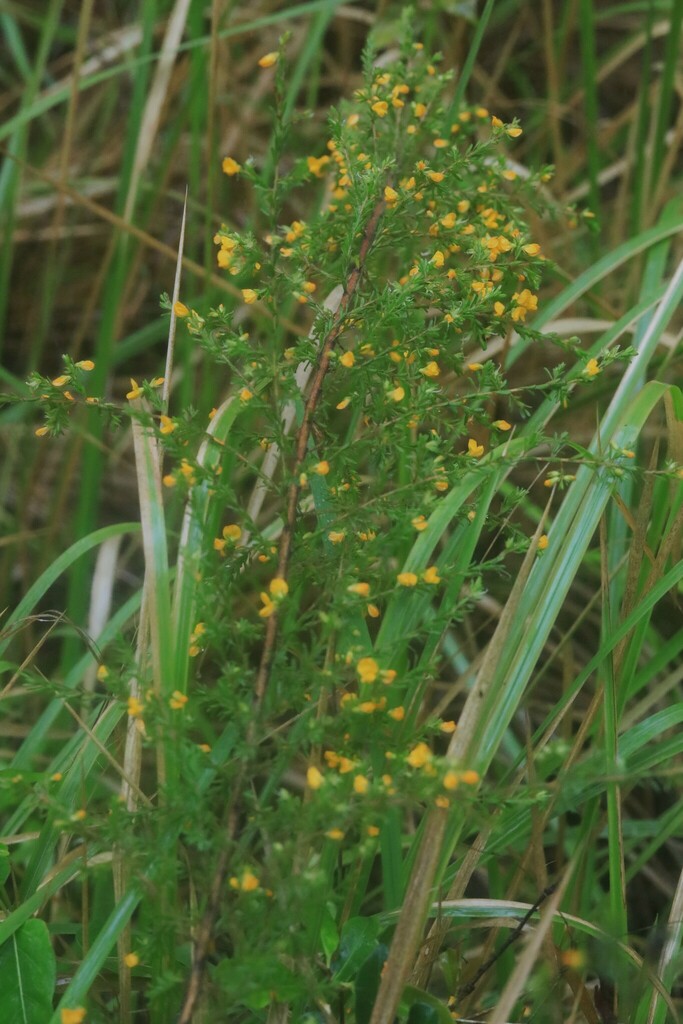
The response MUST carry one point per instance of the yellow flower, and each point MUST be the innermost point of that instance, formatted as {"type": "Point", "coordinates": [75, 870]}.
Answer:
{"type": "Point", "coordinates": [419, 523]}
{"type": "Point", "coordinates": [41, 431]}
{"type": "Point", "coordinates": [131, 959]}
{"type": "Point", "coordinates": [135, 707]}
{"type": "Point", "coordinates": [591, 369]}
{"type": "Point", "coordinates": [475, 366]}
{"type": "Point", "coordinates": [362, 589]}
{"type": "Point", "coordinates": [431, 370]}
{"type": "Point", "coordinates": [431, 575]}
{"type": "Point", "coordinates": [360, 785]}
{"type": "Point", "coordinates": [75, 1016]}
{"type": "Point", "coordinates": [513, 132]}
{"type": "Point", "coordinates": [180, 309]}
{"type": "Point", "coordinates": [438, 258]}
{"type": "Point", "coordinates": [451, 780]}
{"type": "Point", "coordinates": [390, 194]}
{"type": "Point", "coordinates": [420, 110]}
{"type": "Point", "coordinates": [85, 364]}
{"type": "Point", "coordinates": [230, 167]}
{"type": "Point", "coordinates": [498, 308]}
{"type": "Point", "coordinates": [268, 606]}
{"type": "Point", "coordinates": [268, 59]}
{"type": "Point", "coordinates": [543, 542]}
{"type": "Point", "coordinates": [335, 833]}
{"type": "Point", "coordinates": [447, 727]}
{"type": "Point", "coordinates": [232, 533]}
{"type": "Point", "coordinates": [59, 382]}
{"type": "Point", "coordinates": [470, 777]}
{"type": "Point", "coordinates": [322, 468]}
{"type": "Point", "coordinates": [167, 425]}
{"type": "Point", "coordinates": [336, 536]}
{"type": "Point", "coordinates": [249, 295]}
{"type": "Point", "coordinates": [575, 959]}
{"type": "Point", "coordinates": [380, 107]}
{"type": "Point", "coordinates": [397, 394]}
{"type": "Point", "coordinates": [344, 402]}
{"type": "Point", "coordinates": [372, 830]}
{"type": "Point", "coordinates": [526, 302]}
{"type": "Point", "coordinates": [532, 249]}
{"type": "Point", "coordinates": [407, 579]}
{"type": "Point", "coordinates": [135, 390]}
{"type": "Point", "coordinates": [177, 700]}
{"type": "Point", "coordinates": [436, 176]}
{"type": "Point", "coordinates": [316, 164]}
{"type": "Point", "coordinates": [348, 359]}
{"type": "Point", "coordinates": [246, 395]}
{"type": "Point", "coordinates": [249, 882]}
{"type": "Point", "coordinates": [314, 777]}
{"type": "Point", "coordinates": [398, 714]}
{"type": "Point", "coordinates": [367, 669]}
{"type": "Point", "coordinates": [278, 588]}
{"type": "Point", "coordinates": [373, 611]}
{"type": "Point", "coordinates": [474, 449]}
{"type": "Point", "coordinates": [502, 425]}
{"type": "Point", "coordinates": [419, 756]}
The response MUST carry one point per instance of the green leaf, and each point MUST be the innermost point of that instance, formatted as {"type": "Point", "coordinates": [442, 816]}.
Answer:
{"type": "Point", "coordinates": [329, 934]}
{"type": "Point", "coordinates": [27, 973]}
{"type": "Point", "coordinates": [4, 864]}
{"type": "Point", "coordinates": [359, 936]}
{"type": "Point", "coordinates": [367, 983]}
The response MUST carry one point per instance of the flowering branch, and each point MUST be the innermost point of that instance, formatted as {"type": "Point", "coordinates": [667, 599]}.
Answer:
{"type": "Point", "coordinates": [303, 436]}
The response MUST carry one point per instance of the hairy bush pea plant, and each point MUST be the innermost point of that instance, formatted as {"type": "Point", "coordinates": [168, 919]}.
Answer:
{"type": "Point", "coordinates": [297, 765]}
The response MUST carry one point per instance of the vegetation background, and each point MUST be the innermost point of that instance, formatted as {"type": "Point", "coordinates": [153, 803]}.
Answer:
{"type": "Point", "coordinates": [109, 113]}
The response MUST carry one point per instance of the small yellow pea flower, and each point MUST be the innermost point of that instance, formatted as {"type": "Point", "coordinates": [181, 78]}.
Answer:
{"type": "Point", "coordinates": [268, 59]}
{"type": "Point", "coordinates": [474, 449]}
{"type": "Point", "coordinates": [419, 756]}
{"type": "Point", "coordinates": [431, 575]}
{"type": "Point", "coordinates": [348, 359]}
{"type": "Point", "coordinates": [314, 777]}
{"type": "Point", "coordinates": [407, 579]}
{"type": "Point", "coordinates": [131, 959]}
{"type": "Point", "coordinates": [73, 1016]}
{"type": "Point", "coordinates": [135, 390]}
{"type": "Point", "coordinates": [135, 707]}
{"type": "Point", "coordinates": [322, 468]}
{"type": "Point", "coordinates": [177, 700]}
{"type": "Point", "coordinates": [367, 669]}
